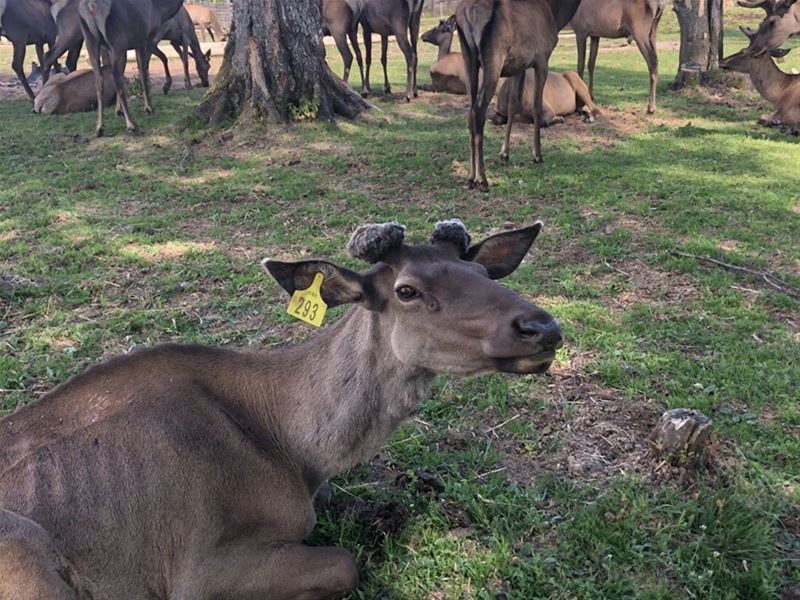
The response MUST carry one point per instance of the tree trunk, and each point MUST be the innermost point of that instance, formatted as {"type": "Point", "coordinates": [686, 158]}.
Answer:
{"type": "Point", "coordinates": [701, 39]}
{"type": "Point", "coordinates": [274, 67]}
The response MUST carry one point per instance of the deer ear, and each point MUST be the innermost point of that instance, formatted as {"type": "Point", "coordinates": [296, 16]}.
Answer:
{"type": "Point", "coordinates": [779, 52]}
{"type": "Point", "coordinates": [501, 253]}
{"type": "Point", "coordinates": [339, 285]}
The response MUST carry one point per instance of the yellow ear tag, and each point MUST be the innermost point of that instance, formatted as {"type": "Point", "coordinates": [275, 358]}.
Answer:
{"type": "Point", "coordinates": [308, 305]}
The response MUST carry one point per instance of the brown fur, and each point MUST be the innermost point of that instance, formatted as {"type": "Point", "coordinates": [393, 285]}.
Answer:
{"type": "Point", "coordinates": [69, 37]}
{"type": "Point", "coordinates": [782, 21]}
{"type": "Point", "coordinates": [184, 471]}
{"type": "Point", "coordinates": [179, 30]}
{"type": "Point", "coordinates": [206, 22]}
{"type": "Point", "coordinates": [340, 20]}
{"type": "Point", "coordinates": [26, 22]}
{"type": "Point", "coordinates": [74, 92]}
{"type": "Point", "coordinates": [637, 19]}
{"type": "Point", "coordinates": [447, 73]}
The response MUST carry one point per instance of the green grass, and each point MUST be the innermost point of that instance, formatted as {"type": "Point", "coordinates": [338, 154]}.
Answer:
{"type": "Point", "coordinates": [129, 241]}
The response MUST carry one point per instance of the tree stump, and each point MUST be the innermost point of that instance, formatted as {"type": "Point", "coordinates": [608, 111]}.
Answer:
{"type": "Point", "coordinates": [681, 437]}
{"type": "Point", "coordinates": [700, 23]}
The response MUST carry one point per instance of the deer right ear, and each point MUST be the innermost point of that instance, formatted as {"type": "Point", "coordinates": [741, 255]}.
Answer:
{"type": "Point", "coordinates": [779, 52]}
{"type": "Point", "coordinates": [339, 285]}
{"type": "Point", "coordinates": [502, 253]}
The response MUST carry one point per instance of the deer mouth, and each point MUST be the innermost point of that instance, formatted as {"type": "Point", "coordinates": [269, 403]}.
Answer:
{"type": "Point", "coordinates": [522, 365]}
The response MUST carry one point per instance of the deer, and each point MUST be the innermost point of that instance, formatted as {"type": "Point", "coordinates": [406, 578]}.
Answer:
{"type": "Point", "coordinates": [187, 471]}
{"type": "Point", "coordinates": [115, 26]}
{"type": "Point", "coordinates": [340, 21]}
{"type": "Point", "coordinates": [504, 38]}
{"type": "Point", "coordinates": [179, 30]}
{"type": "Point", "coordinates": [69, 38]}
{"type": "Point", "coordinates": [782, 21]}
{"type": "Point", "coordinates": [637, 19]}
{"type": "Point", "coordinates": [26, 22]}
{"type": "Point", "coordinates": [447, 73]}
{"type": "Point", "coordinates": [73, 92]}
{"type": "Point", "coordinates": [779, 88]}
{"type": "Point", "coordinates": [564, 94]}
{"type": "Point", "coordinates": [400, 18]}
{"type": "Point", "coordinates": [206, 22]}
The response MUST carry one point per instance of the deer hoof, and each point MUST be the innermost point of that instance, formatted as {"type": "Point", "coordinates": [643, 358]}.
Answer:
{"type": "Point", "coordinates": [482, 186]}
{"type": "Point", "coordinates": [387, 90]}
{"type": "Point", "coordinates": [148, 110]}
{"type": "Point", "coordinates": [589, 118]}
{"type": "Point", "coordinates": [408, 99]}
{"type": "Point", "coordinates": [651, 110]}
{"type": "Point", "coordinates": [98, 132]}
{"type": "Point", "coordinates": [504, 159]}
{"type": "Point", "coordinates": [538, 160]}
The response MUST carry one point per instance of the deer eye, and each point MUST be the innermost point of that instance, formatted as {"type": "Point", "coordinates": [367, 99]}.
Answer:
{"type": "Point", "coordinates": [406, 293]}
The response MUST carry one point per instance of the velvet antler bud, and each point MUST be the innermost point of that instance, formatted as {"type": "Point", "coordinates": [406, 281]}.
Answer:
{"type": "Point", "coordinates": [374, 241]}
{"type": "Point", "coordinates": [453, 231]}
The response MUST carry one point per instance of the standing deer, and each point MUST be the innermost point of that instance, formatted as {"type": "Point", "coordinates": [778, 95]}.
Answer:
{"type": "Point", "coordinates": [779, 88]}
{"type": "Point", "coordinates": [637, 19]}
{"type": "Point", "coordinates": [781, 22]}
{"type": "Point", "coordinates": [447, 73]}
{"type": "Point", "coordinates": [400, 18]}
{"type": "Point", "coordinates": [179, 30]}
{"type": "Point", "coordinates": [504, 38]}
{"type": "Point", "coordinates": [340, 20]}
{"type": "Point", "coordinates": [117, 25]}
{"type": "Point", "coordinates": [69, 37]}
{"type": "Point", "coordinates": [26, 22]}
{"type": "Point", "coordinates": [205, 21]}
{"type": "Point", "coordinates": [185, 471]}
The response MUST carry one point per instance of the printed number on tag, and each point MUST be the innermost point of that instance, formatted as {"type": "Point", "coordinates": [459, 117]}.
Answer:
{"type": "Point", "coordinates": [308, 305]}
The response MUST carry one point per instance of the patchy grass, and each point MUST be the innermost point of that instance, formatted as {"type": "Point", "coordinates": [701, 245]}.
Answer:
{"type": "Point", "coordinates": [517, 487]}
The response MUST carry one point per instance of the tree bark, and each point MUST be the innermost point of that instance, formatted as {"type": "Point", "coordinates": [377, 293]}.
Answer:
{"type": "Point", "coordinates": [701, 39]}
{"type": "Point", "coordinates": [274, 67]}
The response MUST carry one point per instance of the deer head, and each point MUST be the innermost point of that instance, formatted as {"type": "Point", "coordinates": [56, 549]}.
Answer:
{"type": "Point", "coordinates": [441, 33]}
{"type": "Point", "coordinates": [438, 304]}
{"type": "Point", "coordinates": [775, 29]}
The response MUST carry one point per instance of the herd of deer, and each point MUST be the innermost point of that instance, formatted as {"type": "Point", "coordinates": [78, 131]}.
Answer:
{"type": "Point", "coordinates": [183, 471]}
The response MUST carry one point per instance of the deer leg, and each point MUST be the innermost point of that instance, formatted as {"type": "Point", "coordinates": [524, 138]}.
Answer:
{"type": "Point", "coordinates": [16, 64]}
{"type": "Point", "coordinates": [163, 58]}
{"type": "Point", "coordinates": [583, 102]}
{"type": "Point", "coordinates": [410, 56]}
{"type": "Point", "coordinates": [580, 41]}
{"type": "Point", "coordinates": [340, 38]}
{"type": "Point", "coordinates": [414, 31]}
{"type": "Point", "coordinates": [40, 54]}
{"type": "Point", "coordinates": [367, 33]}
{"type": "Point", "coordinates": [513, 100]}
{"type": "Point", "coordinates": [353, 35]}
{"type": "Point", "coordinates": [183, 52]}
{"type": "Point", "coordinates": [594, 46]}
{"type": "Point", "coordinates": [651, 58]}
{"type": "Point", "coordinates": [491, 73]}
{"type": "Point", "coordinates": [93, 49]}
{"type": "Point", "coordinates": [540, 67]}
{"type": "Point", "coordinates": [118, 60]}
{"type": "Point", "coordinates": [278, 571]}
{"type": "Point", "coordinates": [472, 71]}
{"type": "Point", "coordinates": [73, 54]}
{"type": "Point", "coordinates": [143, 62]}
{"type": "Point", "coordinates": [387, 88]}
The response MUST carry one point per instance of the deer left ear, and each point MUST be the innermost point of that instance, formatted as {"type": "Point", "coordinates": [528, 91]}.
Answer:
{"type": "Point", "coordinates": [779, 52]}
{"type": "Point", "coordinates": [502, 253]}
{"type": "Point", "coordinates": [339, 285]}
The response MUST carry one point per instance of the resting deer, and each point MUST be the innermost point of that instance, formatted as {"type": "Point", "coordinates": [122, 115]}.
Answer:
{"type": "Point", "coordinates": [206, 22]}
{"type": "Point", "coordinates": [340, 21]}
{"type": "Point", "coordinates": [504, 38]}
{"type": "Point", "coordinates": [74, 92]}
{"type": "Point", "coordinates": [26, 22]}
{"type": "Point", "coordinates": [116, 26]}
{"type": "Point", "coordinates": [637, 19]}
{"type": "Point", "coordinates": [781, 22]}
{"type": "Point", "coordinates": [69, 37]}
{"type": "Point", "coordinates": [400, 18]}
{"type": "Point", "coordinates": [564, 94]}
{"type": "Point", "coordinates": [447, 73]}
{"type": "Point", "coordinates": [179, 30]}
{"type": "Point", "coordinates": [185, 471]}
{"type": "Point", "coordinates": [779, 88]}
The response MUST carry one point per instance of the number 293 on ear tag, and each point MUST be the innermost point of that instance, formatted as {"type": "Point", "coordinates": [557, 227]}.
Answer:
{"type": "Point", "coordinates": [308, 305]}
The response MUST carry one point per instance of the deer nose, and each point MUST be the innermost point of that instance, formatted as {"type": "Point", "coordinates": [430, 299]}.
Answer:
{"type": "Point", "coordinates": [543, 330]}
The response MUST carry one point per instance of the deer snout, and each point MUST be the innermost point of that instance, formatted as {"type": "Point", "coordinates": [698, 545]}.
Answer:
{"type": "Point", "coordinates": [541, 329]}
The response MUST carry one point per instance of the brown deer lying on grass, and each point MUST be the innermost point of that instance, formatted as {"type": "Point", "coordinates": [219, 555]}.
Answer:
{"type": "Point", "coordinates": [504, 38]}
{"type": "Point", "coordinates": [185, 471]}
{"type": "Point", "coordinates": [447, 73]}
{"type": "Point", "coordinates": [116, 26]}
{"type": "Point", "coordinates": [781, 22]}
{"type": "Point", "coordinates": [564, 94]}
{"type": "Point", "coordinates": [206, 22]}
{"type": "Point", "coordinates": [74, 92]}
{"type": "Point", "coordinates": [340, 21]}
{"type": "Point", "coordinates": [179, 30]}
{"type": "Point", "coordinates": [779, 88]}
{"type": "Point", "coordinates": [637, 19]}
{"type": "Point", "coordinates": [26, 22]}
{"type": "Point", "coordinates": [400, 18]}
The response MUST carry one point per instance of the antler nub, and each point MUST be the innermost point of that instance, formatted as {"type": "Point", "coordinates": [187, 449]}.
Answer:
{"type": "Point", "coordinates": [453, 231]}
{"type": "Point", "coordinates": [372, 242]}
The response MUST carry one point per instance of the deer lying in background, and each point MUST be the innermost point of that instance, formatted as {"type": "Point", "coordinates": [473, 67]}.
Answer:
{"type": "Point", "coordinates": [179, 30]}
{"type": "Point", "coordinates": [447, 73]}
{"type": "Point", "coordinates": [340, 21]}
{"type": "Point", "coordinates": [69, 37]}
{"type": "Point", "coordinates": [504, 38]}
{"type": "Point", "coordinates": [116, 26]}
{"type": "Point", "coordinates": [185, 471]}
{"type": "Point", "coordinates": [74, 92]}
{"type": "Point", "coordinates": [400, 18]}
{"type": "Point", "coordinates": [637, 19]}
{"type": "Point", "coordinates": [564, 94]}
{"type": "Point", "coordinates": [26, 22]}
{"type": "Point", "coordinates": [206, 22]}
{"type": "Point", "coordinates": [781, 22]}
{"type": "Point", "coordinates": [779, 88]}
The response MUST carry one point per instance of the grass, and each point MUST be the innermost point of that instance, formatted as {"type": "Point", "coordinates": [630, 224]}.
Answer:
{"type": "Point", "coordinates": [515, 487]}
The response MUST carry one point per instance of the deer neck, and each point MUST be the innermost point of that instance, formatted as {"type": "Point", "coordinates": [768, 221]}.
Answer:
{"type": "Point", "coordinates": [444, 47]}
{"type": "Point", "coordinates": [769, 80]}
{"type": "Point", "coordinates": [332, 401]}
